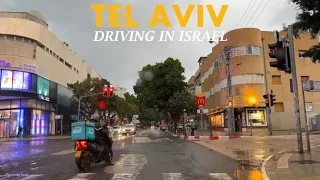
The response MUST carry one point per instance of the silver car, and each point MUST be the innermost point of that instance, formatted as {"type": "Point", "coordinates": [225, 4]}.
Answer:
{"type": "Point", "coordinates": [129, 129]}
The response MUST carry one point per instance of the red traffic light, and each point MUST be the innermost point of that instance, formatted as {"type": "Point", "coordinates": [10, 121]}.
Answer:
{"type": "Point", "coordinates": [102, 104]}
{"type": "Point", "coordinates": [267, 103]}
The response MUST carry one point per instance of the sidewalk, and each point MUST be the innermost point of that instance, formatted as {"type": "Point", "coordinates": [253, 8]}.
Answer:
{"type": "Point", "coordinates": [255, 132]}
{"type": "Point", "coordinates": [34, 138]}
{"type": "Point", "coordinates": [293, 166]}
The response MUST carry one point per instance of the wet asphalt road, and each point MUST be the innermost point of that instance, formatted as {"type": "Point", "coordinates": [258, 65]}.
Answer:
{"type": "Point", "coordinates": [148, 155]}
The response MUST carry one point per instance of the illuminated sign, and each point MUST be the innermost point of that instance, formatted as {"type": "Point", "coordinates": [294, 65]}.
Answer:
{"type": "Point", "coordinates": [44, 98]}
{"type": "Point", "coordinates": [201, 100]}
{"type": "Point", "coordinates": [27, 67]}
{"type": "Point", "coordinates": [15, 80]}
{"type": "Point", "coordinates": [43, 86]}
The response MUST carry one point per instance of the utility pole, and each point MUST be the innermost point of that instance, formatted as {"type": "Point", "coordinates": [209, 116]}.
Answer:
{"type": "Point", "coordinates": [305, 119]}
{"type": "Point", "coordinates": [266, 86]}
{"type": "Point", "coordinates": [295, 89]}
{"type": "Point", "coordinates": [227, 53]}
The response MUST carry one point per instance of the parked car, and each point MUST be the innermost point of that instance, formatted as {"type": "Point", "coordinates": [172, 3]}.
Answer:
{"type": "Point", "coordinates": [129, 129]}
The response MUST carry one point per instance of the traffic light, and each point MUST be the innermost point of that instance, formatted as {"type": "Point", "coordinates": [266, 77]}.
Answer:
{"type": "Point", "coordinates": [266, 96]}
{"type": "Point", "coordinates": [272, 99]}
{"type": "Point", "coordinates": [108, 90]}
{"type": "Point", "coordinates": [280, 51]}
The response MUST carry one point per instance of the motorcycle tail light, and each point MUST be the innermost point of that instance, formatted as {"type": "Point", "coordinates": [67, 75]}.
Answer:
{"type": "Point", "coordinates": [81, 144]}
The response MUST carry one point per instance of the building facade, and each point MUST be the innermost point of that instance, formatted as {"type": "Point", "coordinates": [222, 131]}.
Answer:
{"type": "Point", "coordinates": [248, 81]}
{"type": "Point", "coordinates": [35, 68]}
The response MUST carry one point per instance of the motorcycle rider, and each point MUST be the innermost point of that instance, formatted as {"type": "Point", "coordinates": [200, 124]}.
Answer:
{"type": "Point", "coordinates": [102, 132]}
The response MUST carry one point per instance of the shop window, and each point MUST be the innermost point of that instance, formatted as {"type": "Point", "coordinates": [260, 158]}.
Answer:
{"type": "Point", "coordinates": [15, 104]}
{"type": "Point", "coordinates": [5, 104]}
{"type": "Point", "coordinates": [304, 78]}
{"type": "Point", "coordinates": [6, 80]}
{"type": "Point", "coordinates": [257, 117]}
{"type": "Point", "coordinates": [5, 114]}
{"type": "Point", "coordinates": [276, 79]}
{"type": "Point", "coordinates": [278, 107]}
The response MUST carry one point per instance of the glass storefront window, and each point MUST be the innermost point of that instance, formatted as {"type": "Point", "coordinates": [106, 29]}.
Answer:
{"type": "Point", "coordinates": [257, 117]}
{"type": "Point", "coordinates": [5, 104]}
{"type": "Point", "coordinates": [39, 125]}
{"type": "Point", "coordinates": [17, 80]}
{"type": "Point", "coordinates": [4, 114]}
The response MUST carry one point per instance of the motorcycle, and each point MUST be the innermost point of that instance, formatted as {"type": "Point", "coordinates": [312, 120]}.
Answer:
{"type": "Point", "coordinates": [89, 152]}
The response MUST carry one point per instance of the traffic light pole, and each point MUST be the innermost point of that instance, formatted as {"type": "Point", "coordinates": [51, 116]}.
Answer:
{"type": "Point", "coordinates": [266, 82]}
{"type": "Point", "coordinates": [295, 89]}
{"type": "Point", "coordinates": [79, 102]}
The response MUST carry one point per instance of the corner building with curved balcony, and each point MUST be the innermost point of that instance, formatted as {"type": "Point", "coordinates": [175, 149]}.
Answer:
{"type": "Point", "coordinates": [35, 68]}
{"type": "Point", "coordinates": [248, 82]}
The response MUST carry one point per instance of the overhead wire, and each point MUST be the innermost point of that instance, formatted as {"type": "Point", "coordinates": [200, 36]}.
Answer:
{"type": "Point", "coordinates": [244, 13]}
{"type": "Point", "coordinates": [249, 10]}
{"type": "Point", "coordinates": [258, 7]}
{"type": "Point", "coordinates": [271, 11]}
{"type": "Point", "coordinates": [261, 13]}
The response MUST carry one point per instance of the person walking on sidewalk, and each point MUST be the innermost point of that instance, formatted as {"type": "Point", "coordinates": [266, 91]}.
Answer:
{"type": "Point", "coordinates": [19, 131]}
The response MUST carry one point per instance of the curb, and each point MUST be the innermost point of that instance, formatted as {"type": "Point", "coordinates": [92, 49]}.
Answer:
{"type": "Point", "coordinates": [36, 138]}
{"type": "Point", "coordinates": [211, 137]}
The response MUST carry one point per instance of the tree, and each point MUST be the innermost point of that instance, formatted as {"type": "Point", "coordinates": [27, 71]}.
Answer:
{"type": "Point", "coordinates": [90, 105]}
{"type": "Point", "coordinates": [181, 101]}
{"type": "Point", "coordinates": [308, 20]}
{"type": "Point", "coordinates": [157, 83]}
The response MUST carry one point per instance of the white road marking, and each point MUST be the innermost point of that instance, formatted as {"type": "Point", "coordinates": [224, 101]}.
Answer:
{"type": "Point", "coordinates": [124, 176]}
{"type": "Point", "coordinates": [129, 165]}
{"type": "Point", "coordinates": [31, 177]}
{"type": "Point", "coordinates": [172, 176]}
{"type": "Point", "coordinates": [83, 176]}
{"type": "Point", "coordinates": [283, 161]}
{"type": "Point", "coordinates": [69, 151]}
{"type": "Point", "coordinates": [220, 176]}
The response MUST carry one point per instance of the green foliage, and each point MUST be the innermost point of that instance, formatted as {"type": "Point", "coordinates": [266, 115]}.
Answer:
{"type": "Point", "coordinates": [123, 107]}
{"type": "Point", "coordinates": [157, 83]}
{"type": "Point", "coordinates": [180, 101]}
{"type": "Point", "coordinates": [308, 20]}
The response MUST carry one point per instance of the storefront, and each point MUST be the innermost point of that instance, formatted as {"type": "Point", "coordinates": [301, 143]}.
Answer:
{"type": "Point", "coordinates": [26, 102]}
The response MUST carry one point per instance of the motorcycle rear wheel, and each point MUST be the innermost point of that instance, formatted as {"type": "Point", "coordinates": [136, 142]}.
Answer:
{"type": "Point", "coordinates": [83, 164]}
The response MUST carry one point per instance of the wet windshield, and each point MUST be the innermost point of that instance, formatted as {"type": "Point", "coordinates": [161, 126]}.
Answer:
{"type": "Point", "coordinates": [129, 125]}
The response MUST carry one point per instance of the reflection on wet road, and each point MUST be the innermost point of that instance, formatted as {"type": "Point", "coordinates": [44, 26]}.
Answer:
{"type": "Point", "coordinates": [148, 155]}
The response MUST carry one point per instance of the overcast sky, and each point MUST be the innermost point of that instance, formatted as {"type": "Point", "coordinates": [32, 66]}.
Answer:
{"type": "Point", "coordinates": [73, 21]}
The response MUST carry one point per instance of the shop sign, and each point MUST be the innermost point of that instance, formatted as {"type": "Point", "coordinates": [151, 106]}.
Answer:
{"type": "Point", "coordinates": [27, 67]}
{"type": "Point", "coordinates": [44, 98]}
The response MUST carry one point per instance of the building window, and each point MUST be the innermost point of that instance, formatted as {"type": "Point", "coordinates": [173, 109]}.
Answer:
{"type": "Point", "coordinates": [278, 107]}
{"type": "Point", "coordinates": [276, 79]}
{"type": "Point", "coordinates": [304, 78]}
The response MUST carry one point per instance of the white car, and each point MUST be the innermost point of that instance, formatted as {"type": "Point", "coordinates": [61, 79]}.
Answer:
{"type": "Point", "coordinates": [129, 129]}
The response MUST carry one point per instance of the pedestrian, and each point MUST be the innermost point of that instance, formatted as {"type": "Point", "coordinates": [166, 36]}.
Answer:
{"type": "Point", "coordinates": [19, 131]}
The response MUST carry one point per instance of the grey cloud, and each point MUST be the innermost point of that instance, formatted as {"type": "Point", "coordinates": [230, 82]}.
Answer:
{"type": "Point", "coordinates": [73, 21]}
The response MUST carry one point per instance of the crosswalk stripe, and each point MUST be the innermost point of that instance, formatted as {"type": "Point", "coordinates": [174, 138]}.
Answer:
{"type": "Point", "coordinates": [83, 176]}
{"type": "Point", "coordinates": [220, 176]}
{"type": "Point", "coordinates": [172, 176]}
{"type": "Point", "coordinates": [124, 176]}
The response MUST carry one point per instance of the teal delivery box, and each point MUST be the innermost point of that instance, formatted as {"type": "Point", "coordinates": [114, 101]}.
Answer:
{"type": "Point", "coordinates": [82, 131]}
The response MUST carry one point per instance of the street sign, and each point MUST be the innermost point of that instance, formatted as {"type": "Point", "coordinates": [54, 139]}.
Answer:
{"type": "Point", "coordinates": [307, 85]}
{"type": "Point", "coordinates": [201, 101]}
